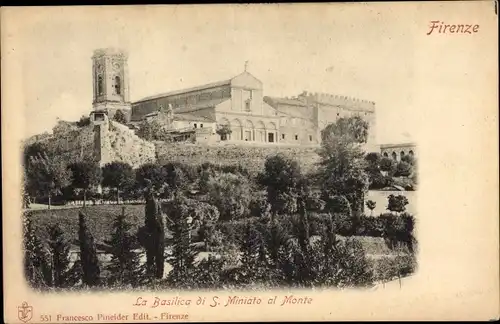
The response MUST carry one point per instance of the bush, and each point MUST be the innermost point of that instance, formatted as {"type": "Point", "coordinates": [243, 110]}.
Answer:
{"type": "Point", "coordinates": [230, 193]}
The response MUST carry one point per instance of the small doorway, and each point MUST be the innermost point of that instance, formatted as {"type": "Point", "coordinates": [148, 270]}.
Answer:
{"type": "Point", "coordinates": [270, 137]}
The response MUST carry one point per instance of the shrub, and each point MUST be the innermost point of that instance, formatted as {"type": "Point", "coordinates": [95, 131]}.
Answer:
{"type": "Point", "coordinates": [230, 193]}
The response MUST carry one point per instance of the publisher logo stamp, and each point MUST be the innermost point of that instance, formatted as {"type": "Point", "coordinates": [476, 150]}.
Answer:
{"type": "Point", "coordinates": [24, 312]}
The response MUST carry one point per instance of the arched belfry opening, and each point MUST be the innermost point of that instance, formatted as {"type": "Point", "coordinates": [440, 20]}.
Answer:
{"type": "Point", "coordinates": [100, 85]}
{"type": "Point", "coordinates": [118, 85]}
{"type": "Point", "coordinates": [110, 78]}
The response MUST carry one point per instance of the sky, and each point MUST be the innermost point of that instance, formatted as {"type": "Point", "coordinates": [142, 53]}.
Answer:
{"type": "Point", "coordinates": [324, 49]}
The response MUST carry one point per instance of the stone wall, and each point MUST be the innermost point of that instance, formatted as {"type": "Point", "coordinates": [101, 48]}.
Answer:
{"type": "Point", "coordinates": [117, 143]}
{"type": "Point", "coordinates": [251, 157]}
{"type": "Point", "coordinates": [125, 146]}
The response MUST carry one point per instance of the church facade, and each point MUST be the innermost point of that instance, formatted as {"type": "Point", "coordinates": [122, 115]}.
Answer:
{"type": "Point", "coordinates": [237, 104]}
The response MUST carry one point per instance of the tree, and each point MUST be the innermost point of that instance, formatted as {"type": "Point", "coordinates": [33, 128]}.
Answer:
{"type": "Point", "coordinates": [387, 164]}
{"type": "Point", "coordinates": [84, 121]}
{"type": "Point", "coordinates": [341, 169]}
{"type": "Point", "coordinates": [124, 266]}
{"type": "Point", "coordinates": [151, 173]}
{"type": "Point", "coordinates": [36, 260]}
{"type": "Point", "coordinates": [120, 117]}
{"type": "Point", "coordinates": [176, 179]}
{"type": "Point", "coordinates": [230, 193]}
{"type": "Point", "coordinates": [408, 158]}
{"type": "Point", "coordinates": [397, 203]}
{"type": "Point", "coordinates": [282, 178]}
{"type": "Point", "coordinates": [88, 253]}
{"type": "Point", "coordinates": [59, 248]}
{"type": "Point", "coordinates": [117, 175]}
{"type": "Point", "coordinates": [370, 204]}
{"type": "Point", "coordinates": [223, 131]}
{"type": "Point", "coordinates": [403, 169]}
{"type": "Point", "coordinates": [85, 175]}
{"type": "Point", "coordinates": [151, 131]}
{"type": "Point", "coordinates": [183, 254]}
{"type": "Point", "coordinates": [47, 175]}
{"type": "Point", "coordinates": [152, 235]}
{"type": "Point", "coordinates": [351, 129]}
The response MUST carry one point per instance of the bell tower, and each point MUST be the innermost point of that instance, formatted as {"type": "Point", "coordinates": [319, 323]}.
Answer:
{"type": "Point", "coordinates": [110, 82]}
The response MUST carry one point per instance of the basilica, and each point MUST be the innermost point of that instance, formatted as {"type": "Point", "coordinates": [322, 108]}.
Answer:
{"type": "Point", "coordinates": [237, 104]}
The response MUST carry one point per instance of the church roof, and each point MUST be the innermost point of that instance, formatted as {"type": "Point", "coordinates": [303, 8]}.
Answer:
{"type": "Point", "coordinates": [175, 92]}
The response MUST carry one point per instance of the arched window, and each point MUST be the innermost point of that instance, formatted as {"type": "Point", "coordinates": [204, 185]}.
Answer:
{"type": "Point", "coordinates": [100, 86]}
{"type": "Point", "coordinates": [394, 156]}
{"type": "Point", "coordinates": [411, 153]}
{"type": "Point", "coordinates": [402, 153]}
{"type": "Point", "coordinates": [385, 154]}
{"type": "Point", "coordinates": [118, 85]}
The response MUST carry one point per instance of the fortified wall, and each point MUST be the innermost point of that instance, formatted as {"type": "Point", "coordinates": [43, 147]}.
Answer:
{"type": "Point", "coordinates": [105, 142]}
{"type": "Point", "coordinates": [249, 157]}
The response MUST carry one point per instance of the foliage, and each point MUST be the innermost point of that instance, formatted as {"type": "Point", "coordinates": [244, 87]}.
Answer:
{"type": "Point", "coordinates": [183, 254]}
{"type": "Point", "coordinates": [230, 193]}
{"type": "Point", "coordinates": [47, 175]}
{"type": "Point", "coordinates": [120, 117]}
{"type": "Point", "coordinates": [117, 175]}
{"type": "Point", "coordinates": [152, 131]}
{"type": "Point", "coordinates": [176, 179]}
{"type": "Point", "coordinates": [85, 175]}
{"type": "Point", "coordinates": [370, 204]}
{"type": "Point", "coordinates": [403, 169]}
{"type": "Point", "coordinates": [152, 236]}
{"type": "Point", "coordinates": [151, 173]}
{"type": "Point", "coordinates": [259, 206]}
{"type": "Point", "coordinates": [351, 129]}
{"type": "Point", "coordinates": [223, 131]}
{"type": "Point", "coordinates": [124, 267]}
{"type": "Point", "coordinates": [408, 158]}
{"type": "Point", "coordinates": [63, 276]}
{"type": "Point", "coordinates": [387, 164]}
{"type": "Point", "coordinates": [342, 168]}
{"type": "Point", "coordinates": [83, 122]}
{"type": "Point", "coordinates": [397, 203]}
{"type": "Point", "coordinates": [88, 254]}
{"type": "Point", "coordinates": [338, 205]}
{"type": "Point", "coordinates": [283, 180]}
{"type": "Point", "coordinates": [36, 259]}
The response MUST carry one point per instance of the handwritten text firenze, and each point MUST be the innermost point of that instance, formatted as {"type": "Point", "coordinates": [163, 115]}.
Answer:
{"type": "Point", "coordinates": [439, 27]}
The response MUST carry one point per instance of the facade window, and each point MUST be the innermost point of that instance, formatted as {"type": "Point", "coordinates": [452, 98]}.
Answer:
{"type": "Point", "coordinates": [310, 138]}
{"type": "Point", "coordinates": [247, 105]}
{"type": "Point", "coordinates": [282, 136]}
{"type": "Point", "coordinates": [118, 85]}
{"type": "Point", "coordinates": [100, 86]}
{"type": "Point", "coordinates": [195, 125]}
{"type": "Point", "coordinates": [296, 137]}
{"type": "Point", "coordinates": [201, 125]}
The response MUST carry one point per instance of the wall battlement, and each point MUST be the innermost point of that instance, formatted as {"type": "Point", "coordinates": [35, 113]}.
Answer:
{"type": "Point", "coordinates": [337, 100]}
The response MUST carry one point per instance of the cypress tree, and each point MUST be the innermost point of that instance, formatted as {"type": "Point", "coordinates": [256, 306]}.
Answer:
{"type": "Point", "coordinates": [36, 265]}
{"type": "Point", "coordinates": [152, 236]}
{"type": "Point", "coordinates": [88, 254]}
{"type": "Point", "coordinates": [183, 254]}
{"type": "Point", "coordinates": [59, 249]}
{"type": "Point", "coordinates": [124, 267]}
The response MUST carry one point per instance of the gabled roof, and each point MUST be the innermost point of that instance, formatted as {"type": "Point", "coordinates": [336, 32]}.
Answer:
{"type": "Point", "coordinates": [197, 88]}
{"type": "Point", "coordinates": [175, 92]}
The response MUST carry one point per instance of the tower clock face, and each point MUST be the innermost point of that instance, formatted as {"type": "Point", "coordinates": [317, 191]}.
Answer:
{"type": "Point", "coordinates": [116, 65]}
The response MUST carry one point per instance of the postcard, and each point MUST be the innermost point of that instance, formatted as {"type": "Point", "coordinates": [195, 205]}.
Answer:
{"type": "Point", "coordinates": [250, 162]}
